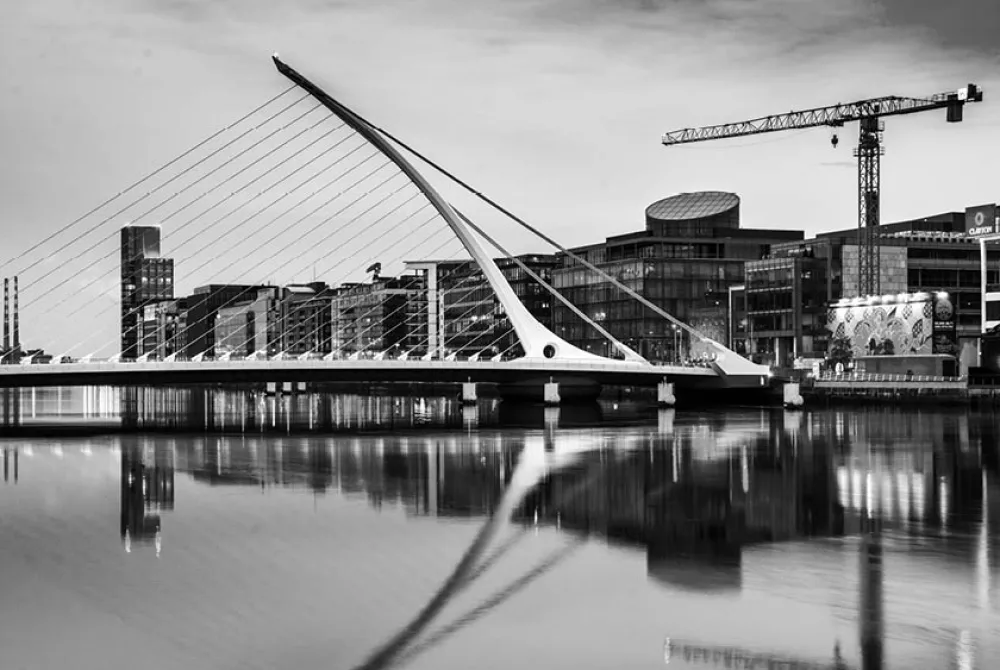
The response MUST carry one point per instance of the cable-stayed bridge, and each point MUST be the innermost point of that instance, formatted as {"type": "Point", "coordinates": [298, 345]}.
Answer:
{"type": "Point", "coordinates": [303, 185]}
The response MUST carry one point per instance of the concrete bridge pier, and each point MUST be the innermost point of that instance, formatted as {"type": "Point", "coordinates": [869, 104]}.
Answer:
{"type": "Point", "coordinates": [284, 388]}
{"type": "Point", "coordinates": [469, 396]}
{"type": "Point", "coordinates": [551, 390]}
{"type": "Point", "coordinates": [551, 393]}
{"type": "Point", "coordinates": [665, 394]}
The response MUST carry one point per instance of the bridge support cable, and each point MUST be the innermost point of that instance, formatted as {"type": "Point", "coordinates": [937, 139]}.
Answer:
{"type": "Point", "coordinates": [532, 469]}
{"type": "Point", "coordinates": [198, 181]}
{"type": "Point", "coordinates": [373, 226]}
{"type": "Point", "coordinates": [728, 361]}
{"type": "Point", "coordinates": [38, 245]}
{"type": "Point", "coordinates": [149, 193]}
{"type": "Point", "coordinates": [358, 349]}
{"type": "Point", "coordinates": [316, 333]}
{"type": "Point", "coordinates": [626, 351]}
{"type": "Point", "coordinates": [275, 220]}
{"type": "Point", "coordinates": [231, 195]}
{"type": "Point", "coordinates": [374, 311]}
{"type": "Point", "coordinates": [539, 342]}
{"type": "Point", "coordinates": [477, 285]}
{"type": "Point", "coordinates": [247, 292]}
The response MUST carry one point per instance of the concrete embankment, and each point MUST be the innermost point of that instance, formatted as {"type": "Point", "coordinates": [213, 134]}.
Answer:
{"type": "Point", "coordinates": [894, 389]}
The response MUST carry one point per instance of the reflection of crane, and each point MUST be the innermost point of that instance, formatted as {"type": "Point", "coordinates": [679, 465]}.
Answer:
{"type": "Point", "coordinates": [868, 152]}
{"type": "Point", "coordinates": [716, 655]}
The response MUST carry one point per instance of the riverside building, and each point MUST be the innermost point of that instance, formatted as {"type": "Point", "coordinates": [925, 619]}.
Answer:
{"type": "Point", "coordinates": [690, 253]}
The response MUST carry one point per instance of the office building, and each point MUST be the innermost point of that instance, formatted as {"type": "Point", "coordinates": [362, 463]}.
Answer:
{"type": "Point", "coordinates": [537, 299]}
{"type": "Point", "coordinates": [168, 318]}
{"type": "Point", "coordinates": [462, 312]}
{"type": "Point", "coordinates": [457, 306]}
{"type": "Point", "coordinates": [789, 294]}
{"type": "Point", "coordinates": [385, 316]}
{"type": "Point", "coordinates": [251, 327]}
{"type": "Point", "coordinates": [306, 319]}
{"type": "Point", "coordinates": [690, 253]}
{"type": "Point", "coordinates": [146, 278]}
{"type": "Point", "coordinates": [203, 307]}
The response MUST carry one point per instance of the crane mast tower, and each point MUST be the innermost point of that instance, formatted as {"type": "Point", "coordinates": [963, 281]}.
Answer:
{"type": "Point", "coordinates": [869, 114]}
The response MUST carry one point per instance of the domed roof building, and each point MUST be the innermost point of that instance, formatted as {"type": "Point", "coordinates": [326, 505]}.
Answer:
{"type": "Point", "coordinates": [706, 209]}
{"type": "Point", "coordinates": [691, 251]}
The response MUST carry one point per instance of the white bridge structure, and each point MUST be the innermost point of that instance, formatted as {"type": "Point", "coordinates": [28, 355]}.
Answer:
{"type": "Point", "coordinates": [547, 361]}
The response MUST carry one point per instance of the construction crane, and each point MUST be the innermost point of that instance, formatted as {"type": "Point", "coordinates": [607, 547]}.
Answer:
{"type": "Point", "coordinates": [868, 152]}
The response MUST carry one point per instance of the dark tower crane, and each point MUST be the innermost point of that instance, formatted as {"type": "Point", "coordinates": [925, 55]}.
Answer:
{"type": "Point", "coordinates": [869, 114]}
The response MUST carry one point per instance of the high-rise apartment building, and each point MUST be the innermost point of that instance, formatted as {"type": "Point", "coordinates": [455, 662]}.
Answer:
{"type": "Point", "coordinates": [146, 278]}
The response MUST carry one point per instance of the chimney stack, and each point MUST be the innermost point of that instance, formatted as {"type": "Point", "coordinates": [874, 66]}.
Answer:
{"type": "Point", "coordinates": [6, 314]}
{"type": "Point", "coordinates": [17, 329]}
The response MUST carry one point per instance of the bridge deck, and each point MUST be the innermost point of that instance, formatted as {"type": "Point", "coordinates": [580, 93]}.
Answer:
{"type": "Point", "coordinates": [209, 372]}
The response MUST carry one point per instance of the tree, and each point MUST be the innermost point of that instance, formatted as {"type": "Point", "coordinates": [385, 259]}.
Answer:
{"type": "Point", "coordinates": [840, 350]}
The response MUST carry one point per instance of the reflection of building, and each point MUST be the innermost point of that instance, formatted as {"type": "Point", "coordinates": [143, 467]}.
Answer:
{"type": "Point", "coordinates": [9, 456]}
{"type": "Point", "coordinates": [691, 251]}
{"type": "Point", "coordinates": [146, 490]}
{"type": "Point", "coordinates": [145, 279]}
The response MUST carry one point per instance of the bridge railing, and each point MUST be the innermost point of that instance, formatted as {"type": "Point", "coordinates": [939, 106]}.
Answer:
{"type": "Point", "coordinates": [298, 364]}
{"type": "Point", "coordinates": [887, 378]}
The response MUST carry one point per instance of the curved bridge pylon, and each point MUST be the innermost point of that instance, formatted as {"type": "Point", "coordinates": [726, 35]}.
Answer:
{"type": "Point", "coordinates": [539, 342]}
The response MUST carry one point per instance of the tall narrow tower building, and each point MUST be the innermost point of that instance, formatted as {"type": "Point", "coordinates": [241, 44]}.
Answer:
{"type": "Point", "coordinates": [146, 278]}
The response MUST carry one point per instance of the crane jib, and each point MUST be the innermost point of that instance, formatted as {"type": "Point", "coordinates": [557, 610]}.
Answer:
{"type": "Point", "coordinates": [868, 151]}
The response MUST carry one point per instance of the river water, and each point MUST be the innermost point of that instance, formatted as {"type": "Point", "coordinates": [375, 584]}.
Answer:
{"type": "Point", "coordinates": [227, 529]}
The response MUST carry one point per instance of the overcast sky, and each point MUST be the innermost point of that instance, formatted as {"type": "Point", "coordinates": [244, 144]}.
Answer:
{"type": "Point", "coordinates": [553, 107]}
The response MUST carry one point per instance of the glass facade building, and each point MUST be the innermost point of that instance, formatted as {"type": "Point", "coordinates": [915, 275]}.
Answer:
{"type": "Point", "coordinates": [146, 278]}
{"type": "Point", "coordinates": [788, 294]}
{"type": "Point", "coordinates": [386, 315]}
{"type": "Point", "coordinates": [203, 308]}
{"type": "Point", "coordinates": [689, 255]}
{"type": "Point", "coordinates": [306, 319]}
{"type": "Point", "coordinates": [536, 298]}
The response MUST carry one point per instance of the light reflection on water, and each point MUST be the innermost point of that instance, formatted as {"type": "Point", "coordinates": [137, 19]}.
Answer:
{"type": "Point", "coordinates": [735, 532]}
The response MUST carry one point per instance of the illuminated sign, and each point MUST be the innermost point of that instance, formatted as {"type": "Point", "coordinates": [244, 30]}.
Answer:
{"type": "Point", "coordinates": [981, 220]}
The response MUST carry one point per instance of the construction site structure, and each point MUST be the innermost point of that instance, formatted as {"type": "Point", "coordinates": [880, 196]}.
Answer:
{"type": "Point", "coordinates": [869, 114]}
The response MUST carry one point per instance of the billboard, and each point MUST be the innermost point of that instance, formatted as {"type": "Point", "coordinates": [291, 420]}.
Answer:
{"type": "Point", "coordinates": [890, 325]}
{"type": "Point", "coordinates": [981, 220]}
{"type": "Point", "coordinates": [944, 326]}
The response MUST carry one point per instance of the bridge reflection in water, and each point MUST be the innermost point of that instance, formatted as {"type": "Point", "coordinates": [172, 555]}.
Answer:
{"type": "Point", "coordinates": [692, 493]}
